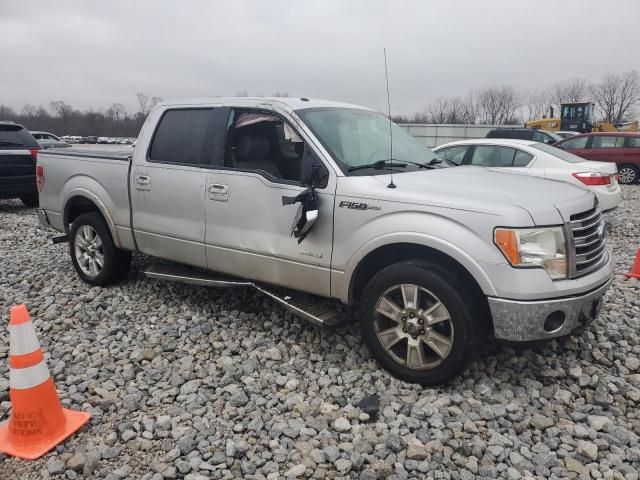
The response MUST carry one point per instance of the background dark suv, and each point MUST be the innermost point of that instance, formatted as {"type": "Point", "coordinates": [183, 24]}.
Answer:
{"type": "Point", "coordinates": [18, 155]}
{"type": "Point", "coordinates": [541, 136]}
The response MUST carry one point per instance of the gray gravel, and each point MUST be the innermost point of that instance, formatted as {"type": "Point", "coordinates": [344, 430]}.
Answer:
{"type": "Point", "coordinates": [186, 382]}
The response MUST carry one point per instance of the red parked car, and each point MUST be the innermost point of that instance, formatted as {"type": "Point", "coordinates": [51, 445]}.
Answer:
{"type": "Point", "coordinates": [621, 148]}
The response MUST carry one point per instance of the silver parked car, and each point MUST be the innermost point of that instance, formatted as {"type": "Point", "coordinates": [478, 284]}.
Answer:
{"type": "Point", "coordinates": [305, 201]}
{"type": "Point", "coordinates": [49, 140]}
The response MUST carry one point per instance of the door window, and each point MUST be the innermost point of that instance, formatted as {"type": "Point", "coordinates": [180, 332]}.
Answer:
{"type": "Point", "coordinates": [522, 159]}
{"type": "Point", "coordinates": [574, 143]}
{"type": "Point", "coordinates": [607, 141]}
{"type": "Point", "coordinates": [633, 142]}
{"type": "Point", "coordinates": [180, 137]}
{"type": "Point", "coordinates": [453, 154]}
{"type": "Point", "coordinates": [264, 143]}
{"type": "Point", "coordinates": [495, 156]}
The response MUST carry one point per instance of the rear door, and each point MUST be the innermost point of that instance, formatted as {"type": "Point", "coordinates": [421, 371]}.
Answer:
{"type": "Point", "coordinates": [607, 148]}
{"type": "Point", "coordinates": [632, 150]}
{"type": "Point", "coordinates": [167, 184]}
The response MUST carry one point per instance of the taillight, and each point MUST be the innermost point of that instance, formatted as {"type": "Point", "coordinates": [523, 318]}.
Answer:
{"type": "Point", "coordinates": [593, 178]}
{"type": "Point", "coordinates": [34, 153]}
{"type": "Point", "coordinates": [40, 177]}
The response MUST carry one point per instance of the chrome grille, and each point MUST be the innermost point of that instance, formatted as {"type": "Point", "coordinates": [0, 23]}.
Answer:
{"type": "Point", "coordinates": [587, 241]}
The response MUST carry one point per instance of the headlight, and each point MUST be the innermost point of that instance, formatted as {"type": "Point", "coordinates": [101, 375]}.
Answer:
{"type": "Point", "coordinates": [534, 247]}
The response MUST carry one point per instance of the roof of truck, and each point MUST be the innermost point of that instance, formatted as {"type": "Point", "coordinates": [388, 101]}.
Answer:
{"type": "Point", "coordinates": [288, 103]}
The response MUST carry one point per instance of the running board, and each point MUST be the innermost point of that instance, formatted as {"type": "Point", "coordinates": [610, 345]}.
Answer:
{"type": "Point", "coordinates": [317, 310]}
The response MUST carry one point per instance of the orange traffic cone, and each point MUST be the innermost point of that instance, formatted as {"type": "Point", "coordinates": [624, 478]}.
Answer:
{"type": "Point", "coordinates": [635, 270]}
{"type": "Point", "coordinates": [38, 422]}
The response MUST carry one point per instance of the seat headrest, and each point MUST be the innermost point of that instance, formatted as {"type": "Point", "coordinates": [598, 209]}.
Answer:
{"type": "Point", "coordinates": [252, 146]}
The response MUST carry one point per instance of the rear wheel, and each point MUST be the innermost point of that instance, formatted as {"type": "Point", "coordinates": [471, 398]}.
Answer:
{"type": "Point", "coordinates": [628, 174]}
{"type": "Point", "coordinates": [30, 200]}
{"type": "Point", "coordinates": [416, 324]}
{"type": "Point", "coordinates": [93, 253]}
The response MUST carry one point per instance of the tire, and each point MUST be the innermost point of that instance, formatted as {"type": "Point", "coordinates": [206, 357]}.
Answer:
{"type": "Point", "coordinates": [90, 240]}
{"type": "Point", "coordinates": [433, 283]}
{"type": "Point", "coordinates": [628, 174]}
{"type": "Point", "coordinates": [30, 201]}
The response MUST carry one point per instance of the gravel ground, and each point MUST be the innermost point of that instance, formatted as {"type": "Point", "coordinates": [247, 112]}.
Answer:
{"type": "Point", "coordinates": [188, 382]}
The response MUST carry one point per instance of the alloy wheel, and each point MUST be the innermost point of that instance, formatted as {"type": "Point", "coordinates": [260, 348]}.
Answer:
{"type": "Point", "coordinates": [413, 326]}
{"type": "Point", "coordinates": [89, 251]}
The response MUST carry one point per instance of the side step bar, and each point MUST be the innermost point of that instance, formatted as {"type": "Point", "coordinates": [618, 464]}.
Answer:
{"type": "Point", "coordinates": [317, 310]}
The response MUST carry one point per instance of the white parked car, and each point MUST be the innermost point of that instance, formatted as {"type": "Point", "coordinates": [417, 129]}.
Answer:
{"type": "Point", "coordinates": [540, 160]}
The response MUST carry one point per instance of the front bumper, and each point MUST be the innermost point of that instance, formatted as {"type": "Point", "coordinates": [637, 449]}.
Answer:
{"type": "Point", "coordinates": [520, 321]}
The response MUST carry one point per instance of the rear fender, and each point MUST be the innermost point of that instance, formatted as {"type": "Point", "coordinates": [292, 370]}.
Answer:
{"type": "Point", "coordinates": [70, 191]}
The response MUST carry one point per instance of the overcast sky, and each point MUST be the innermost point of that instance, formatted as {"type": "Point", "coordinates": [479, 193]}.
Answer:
{"type": "Point", "coordinates": [92, 54]}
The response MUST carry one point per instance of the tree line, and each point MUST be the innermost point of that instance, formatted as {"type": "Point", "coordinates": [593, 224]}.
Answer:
{"type": "Point", "coordinates": [62, 119]}
{"type": "Point", "coordinates": [616, 98]}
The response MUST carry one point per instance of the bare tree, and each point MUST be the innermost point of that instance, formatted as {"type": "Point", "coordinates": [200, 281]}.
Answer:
{"type": "Point", "coordinates": [470, 111]}
{"type": "Point", "coordinates": [617, 96]}
{"type": "Point", "coordinates": [438, 110]}
{"type": "Point", "coordinates": [61, 109]}
{"type": "Point", "coordinates": [537, 104]}
{"type": "Point", "coordinates": [143, 103]}
{"type": "Point", "coordinates": [7, 113]}
{"type": "Point", "coordinates": [498, 105]}
{"type": "Point", "coordinates": [153, 102]}
{"type": "Point", "coordinates": [116, 112]}
{"type": "Point", "coordinates": [572, 90]}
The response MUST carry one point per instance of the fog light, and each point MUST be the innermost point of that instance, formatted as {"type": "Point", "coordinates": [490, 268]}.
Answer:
{"type": "Point", "coordinates": [554, 321]}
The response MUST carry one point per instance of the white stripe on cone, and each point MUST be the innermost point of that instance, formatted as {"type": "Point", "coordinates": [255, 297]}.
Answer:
{"type": "Point", "coordinates": [30, 377]}
{"type": "Point", "coordinates": [22, 339]}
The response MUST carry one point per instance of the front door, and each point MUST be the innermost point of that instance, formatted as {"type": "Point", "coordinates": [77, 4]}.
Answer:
{"type": "Point", "coordinates": [168, 185]}
{"type": "Point", "coordinates": [248, 230]}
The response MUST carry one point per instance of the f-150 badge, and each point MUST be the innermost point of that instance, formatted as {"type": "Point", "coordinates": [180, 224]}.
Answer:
{"type": "Point", "coordinates": [357, 205]}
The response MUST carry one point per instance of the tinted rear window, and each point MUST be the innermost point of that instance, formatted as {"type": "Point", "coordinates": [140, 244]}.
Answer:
{"type": "Point", "coordinates": [16, 136]}
{"type": "Point", "coordinates": [180, 137]}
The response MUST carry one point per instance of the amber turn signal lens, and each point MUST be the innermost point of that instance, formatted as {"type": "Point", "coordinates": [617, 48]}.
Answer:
{"type": "Point", "coordinates": [507, 242]}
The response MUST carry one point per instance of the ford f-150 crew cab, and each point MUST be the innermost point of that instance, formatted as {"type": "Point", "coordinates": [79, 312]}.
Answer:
{"type": "Point", "coordinates": [308, 202]}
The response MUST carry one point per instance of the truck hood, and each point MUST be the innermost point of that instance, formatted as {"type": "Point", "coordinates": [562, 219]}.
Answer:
{"type": "Point", "coordinates": [548, 202]}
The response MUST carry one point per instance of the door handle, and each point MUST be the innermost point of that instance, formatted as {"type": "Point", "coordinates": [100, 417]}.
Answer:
{"type": "Point", "coordinates": [218, 192]}
{"type": "Point", "coordinates": [143, 182]}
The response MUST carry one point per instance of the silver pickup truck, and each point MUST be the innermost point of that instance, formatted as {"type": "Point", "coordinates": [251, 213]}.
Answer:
{"type": "Point", "coordinates": [319, 204]}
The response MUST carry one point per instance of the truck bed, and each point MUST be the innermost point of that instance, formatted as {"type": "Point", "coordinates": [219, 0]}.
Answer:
{"type": "Point", "coordinates": [83, 174]}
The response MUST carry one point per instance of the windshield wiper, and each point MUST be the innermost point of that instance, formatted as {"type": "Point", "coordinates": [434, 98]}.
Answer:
{"type": "Point", "coordinates": [379, 165]}
{"type": "Point", "coordinates": [12, 144]}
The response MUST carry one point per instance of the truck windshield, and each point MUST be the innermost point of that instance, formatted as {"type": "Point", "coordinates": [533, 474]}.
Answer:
{"type": "Point", "coordinates": [359, 142]}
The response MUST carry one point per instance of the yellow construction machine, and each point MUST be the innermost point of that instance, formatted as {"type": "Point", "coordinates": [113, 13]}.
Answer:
{"type": "Point", "coordinates": [578, 117]}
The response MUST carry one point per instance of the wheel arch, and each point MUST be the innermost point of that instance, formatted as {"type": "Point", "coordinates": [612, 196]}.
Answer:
{"type": "Point", "coordinates": [83, 202]}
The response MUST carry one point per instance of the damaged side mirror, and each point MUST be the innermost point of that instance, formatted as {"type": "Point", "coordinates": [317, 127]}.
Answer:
{"type": "Point", "coordinates": [306, 214]}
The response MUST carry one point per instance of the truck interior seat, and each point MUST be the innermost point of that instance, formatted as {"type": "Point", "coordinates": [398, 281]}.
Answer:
{"type": "Point", "coordinates": [252, 152]}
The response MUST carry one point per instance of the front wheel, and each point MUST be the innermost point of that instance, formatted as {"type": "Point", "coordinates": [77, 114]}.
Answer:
{"type": "Point", "coordinates": [417, 323]}
{"type": "Point", "coordinates": [628, 174]}
{"type": "Point", "coordinates": [94, 255]}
